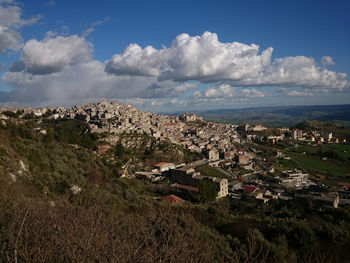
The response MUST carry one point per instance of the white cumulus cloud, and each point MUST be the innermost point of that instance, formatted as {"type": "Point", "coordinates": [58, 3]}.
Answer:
{"type": "Point", "coordinates": [222, 91]}
{"type": "Point", "coordinates": [9, 39]}
{"type": "Point", "coordinates": [225, 91]}
{"type": "Point", "coordinates": [206, 59]}
{"type": "Point", "coordinates": [299, 93]}
{"type": "Point", "coordinates": [61, 70]}
{"type": "Point", "coordinates": [165, 89]}
{"type": "Point", "coordinates": [77, 84]}
{"type": "Point", "coordinates": [11, 15]}
{"type": "Point", "coordinates": [53, 54]}
{"type": "Point", "coordinates": [11, 19]}
{"type": "Point", "coordinates": [252, 93]}
{"type": "Point", "coordinates": [136, 61]}
{"type": "Point", "coordinates": [327, 61]}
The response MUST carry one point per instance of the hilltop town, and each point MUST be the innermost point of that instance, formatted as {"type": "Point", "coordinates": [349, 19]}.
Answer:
{"type": "Point", "coordinates": [237, 191]}
{"type": "Point", "coordinates": [241, 160]}
{"type": "Point", "coordinates": [174, 131]}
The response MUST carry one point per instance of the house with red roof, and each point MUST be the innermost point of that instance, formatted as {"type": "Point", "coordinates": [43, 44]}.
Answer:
{"type": "Point", "coordinates": [250, 188]}
{"type": "Point", "coordinates": [163, 166]}
{"type": "Point", "coordinates": [102, 148]}
{"type": "Point", "coordinates": [172, 199]}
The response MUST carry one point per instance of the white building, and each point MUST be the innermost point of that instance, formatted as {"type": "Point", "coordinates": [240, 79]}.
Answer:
{"type": "Point", "coordinates": [213, 155]}
{"type": "Point", "coordinates": [297, 134]}
{"type": "Point", "coordinates": [294, 178]}
{"type": "Point", "coordinates": [223, 186]}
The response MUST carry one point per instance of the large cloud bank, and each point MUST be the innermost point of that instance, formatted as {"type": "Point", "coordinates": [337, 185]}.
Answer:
{"type": "Point", "coordinates": [53, 54]}
{"type": "Point", "coordinates": [206, 59]}
{"type": "Point", "coordinates": [61, 70]}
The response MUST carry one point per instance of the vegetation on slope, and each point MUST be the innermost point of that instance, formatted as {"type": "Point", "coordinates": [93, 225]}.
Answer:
{"type": "Point", "coordinates": [118, 220]}
{"type": "Point", "coordinates": [146, 151]}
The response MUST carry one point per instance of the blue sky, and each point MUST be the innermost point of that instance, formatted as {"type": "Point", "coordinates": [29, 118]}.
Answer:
{"type": "Point", "coordinates": [71, 52]}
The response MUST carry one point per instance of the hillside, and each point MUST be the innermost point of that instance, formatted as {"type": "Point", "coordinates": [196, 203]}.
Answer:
{"type": "Point", "coordinates": [61, 201]}
{"type": "Point", "coordinates": [282, 116]}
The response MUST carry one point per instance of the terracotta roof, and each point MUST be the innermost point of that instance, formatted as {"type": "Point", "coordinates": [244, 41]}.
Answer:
{"type": "Point", "coordinates": [250, 188]}
{"type": "Point", "coordinates": [172, 199]}
{"type": "Point", "coordinates": [185, 187]}
{"type": "Point", "coordinates": [344, 185]}
{"type": "Point", "coordinates": [160, 164]}
{"type": "Point", "coordinates": [103, 148]}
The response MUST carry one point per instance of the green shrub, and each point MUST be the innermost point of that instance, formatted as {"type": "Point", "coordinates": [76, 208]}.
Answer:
{"type": "Point", "coordinates": [207, 190]}
{"type": "Point", "coordinates": [10, 114]}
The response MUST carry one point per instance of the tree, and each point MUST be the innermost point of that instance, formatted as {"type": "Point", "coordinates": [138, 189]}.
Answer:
{"type": "Point", "coordinates": [10, 114]}
{"type": "Point", "coordinates": [28, 116]}
{"type": "Point", "coordinates": [207, 190]}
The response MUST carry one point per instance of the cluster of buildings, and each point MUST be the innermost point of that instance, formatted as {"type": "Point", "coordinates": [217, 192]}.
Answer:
{"type": "Point", "coordinates": [315, 136]}
{"type": "Point", "coordinates": [224, 146]}
{"type": "Point", "coordinates": [251, 128]}
{"type": "Point", "coordinates": [117, 118]}
{"type": "Point", "coordinates": [294, 178]}
{"type": "Point", "coordinates": [220, 143]}
{"type": "Point", "coordinates": [185, 177]}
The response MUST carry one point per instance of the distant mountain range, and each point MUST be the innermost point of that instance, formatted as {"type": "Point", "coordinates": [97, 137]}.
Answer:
{"type": "Point", "coordinates": [281, 116]}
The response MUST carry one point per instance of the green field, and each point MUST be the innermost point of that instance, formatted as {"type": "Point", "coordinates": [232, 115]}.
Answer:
{"type": "Point", "coordinates": [339, 150]}
{"type": "Point", "coordinates": [322, 166]}
{"type": "Point", "coordinates": [310, 159]}
{"type": "Point", "coordinates": [342, 149]}
{"type": "Point", "coordinates": [210, 171]}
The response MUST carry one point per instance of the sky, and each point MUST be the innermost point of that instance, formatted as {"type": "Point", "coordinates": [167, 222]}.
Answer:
{"type": "Point", "coordinates": [168, 56]}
